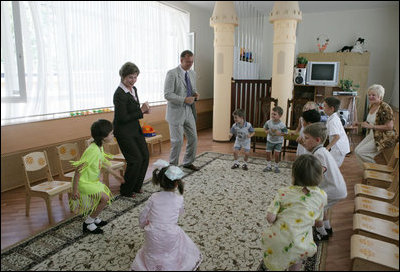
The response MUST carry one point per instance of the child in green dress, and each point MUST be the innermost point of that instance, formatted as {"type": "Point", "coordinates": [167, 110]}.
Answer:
{"type": "Point", "coordinates": [89, 195]}
{"type": "Point", "coordinates": [292, 214]}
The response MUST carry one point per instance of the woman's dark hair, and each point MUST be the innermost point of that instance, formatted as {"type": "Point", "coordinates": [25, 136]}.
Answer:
{"type": "Point", "coordinates": [307, 171]}
{"type": "Point", "coordinates": [100, 130]}
{"type": "Point", "coordinates": [127, 69]}
{"type": "Point", "coordinates": [159, 178]}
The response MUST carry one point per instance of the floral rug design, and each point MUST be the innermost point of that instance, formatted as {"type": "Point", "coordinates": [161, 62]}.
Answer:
{"type": "Point", "coordinates": [225, 214]}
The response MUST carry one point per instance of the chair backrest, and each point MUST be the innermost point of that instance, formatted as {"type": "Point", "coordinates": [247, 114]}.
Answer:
{"type": "Point", "coordinates": [264, 104]}
{"type": "Point", "coordinates": [395, 156]}
{"type": "Point", "coordinates": [295, 108]}
{"type": "Point", "coordinates": [88, 142]}
{"type": "Point", "coordinates": [33, 162]}
{"type": "Point", "coordinates": [112, 148]}
{"type": "Point", "coordinates": [67, 152]}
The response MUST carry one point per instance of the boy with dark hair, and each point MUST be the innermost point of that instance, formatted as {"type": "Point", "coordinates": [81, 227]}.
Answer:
{"type": "Point", "coordinates": [275, 129]}
{"type": "Point", "coordinates": [339, 144]}
{"type": "Point", "coordinates": [243, 131]}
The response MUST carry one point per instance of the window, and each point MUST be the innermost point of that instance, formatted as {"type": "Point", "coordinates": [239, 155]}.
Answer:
{"type": "Point", "coordinates": [71, 53]}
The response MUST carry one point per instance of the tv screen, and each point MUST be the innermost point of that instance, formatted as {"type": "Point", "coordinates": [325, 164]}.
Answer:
{"type": "Point", "coordinates": [323, 72]}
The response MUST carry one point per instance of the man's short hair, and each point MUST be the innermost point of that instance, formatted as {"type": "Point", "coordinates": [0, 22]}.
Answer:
{"type": "Point", "coordinates": [278, 109]}
{"type": "Point", "coordinates": [186, 53]}
{"type": "Point", "coordinates": [317, 130]}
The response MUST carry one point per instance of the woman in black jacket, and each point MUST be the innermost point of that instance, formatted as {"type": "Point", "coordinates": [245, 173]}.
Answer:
{"type": "Point", "coordinates": [128, 132]}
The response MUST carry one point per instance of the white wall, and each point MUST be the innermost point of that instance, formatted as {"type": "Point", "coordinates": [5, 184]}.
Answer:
{"type": "Point", "coordinates": [204, 47]}
{"type": "Point", "coordinates": [379, 28]}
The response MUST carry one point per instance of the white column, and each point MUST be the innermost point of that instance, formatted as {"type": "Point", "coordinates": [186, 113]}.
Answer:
{"type": "Point", "coordinates": [284, 16]}
{"type": "Point", "coordinates": [224, 21]}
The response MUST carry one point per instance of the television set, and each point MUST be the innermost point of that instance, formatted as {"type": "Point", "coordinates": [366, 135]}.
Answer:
{"type": "Point", "coordinates": [322, 73]}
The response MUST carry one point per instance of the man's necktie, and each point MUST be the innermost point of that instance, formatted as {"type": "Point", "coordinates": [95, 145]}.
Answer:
{"type": "Point", "coordinates": [188, 85]}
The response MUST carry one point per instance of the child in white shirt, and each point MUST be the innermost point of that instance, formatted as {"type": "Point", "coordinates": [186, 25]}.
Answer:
{"type": "Point", "coordinates": [333, 182]}
{"type": "Point", "coordinates": [339, 144]}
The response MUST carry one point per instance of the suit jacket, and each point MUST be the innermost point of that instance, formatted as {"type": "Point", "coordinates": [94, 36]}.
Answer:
{"type": "Point", "coordinates": [127, 113]}
{"type": "Point", "coordinates": [175, 94]}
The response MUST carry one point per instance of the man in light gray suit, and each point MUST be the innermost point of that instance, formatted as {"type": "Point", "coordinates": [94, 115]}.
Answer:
{"type": "Point", "coordinates": [181, 93]}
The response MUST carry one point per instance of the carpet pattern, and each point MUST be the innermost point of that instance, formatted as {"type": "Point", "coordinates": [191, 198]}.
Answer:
{"type": "Point", "coordinates": [225, 213]}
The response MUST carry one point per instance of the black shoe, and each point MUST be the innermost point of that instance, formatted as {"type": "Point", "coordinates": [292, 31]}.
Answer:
{"type": "Point", "coordinates": [102, 223]}
{"type": "Point", "coordinates": [95, 231]}
{"type": "Point", "coordinates": [192, 167]}
{"type": "Point", "coordinates": [235, 166]}
{"type": "Point", "coordinates": [329, 231]}
{"type": "Point", "coordinates": [244, 167]}
{"type": "Point", "coordinates": [319, 237]}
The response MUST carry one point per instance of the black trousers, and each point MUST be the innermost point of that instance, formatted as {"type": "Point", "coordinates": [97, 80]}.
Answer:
{"type": "Point", "coordinates": [136, 154]}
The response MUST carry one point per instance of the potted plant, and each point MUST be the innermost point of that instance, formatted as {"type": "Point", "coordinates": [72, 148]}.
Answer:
{"type": "Point", "coordinates": [301, 62]}
{"type": "Point", "coordinates": [347, 85]}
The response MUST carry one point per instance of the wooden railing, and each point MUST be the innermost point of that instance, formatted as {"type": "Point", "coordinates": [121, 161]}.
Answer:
{"type": "Point", "coordinates": [246, 94]}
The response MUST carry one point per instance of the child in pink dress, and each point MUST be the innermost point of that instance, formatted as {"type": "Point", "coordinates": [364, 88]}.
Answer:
{"type": "Point", "coordinates": [166, 246]}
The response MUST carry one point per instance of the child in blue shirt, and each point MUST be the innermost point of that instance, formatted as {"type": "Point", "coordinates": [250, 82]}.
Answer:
{"type": "Point", "coordinates": [275, 129]}
{"type": "Point", "coordinates": [243, 131]}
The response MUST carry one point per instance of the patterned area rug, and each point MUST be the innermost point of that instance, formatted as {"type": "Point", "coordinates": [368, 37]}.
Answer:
{"type": "Point", "coordinates": [225, 214]}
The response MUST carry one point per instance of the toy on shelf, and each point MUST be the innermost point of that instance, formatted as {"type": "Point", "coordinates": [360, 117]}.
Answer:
{"type": "Point", "coordinates": [148, 131]}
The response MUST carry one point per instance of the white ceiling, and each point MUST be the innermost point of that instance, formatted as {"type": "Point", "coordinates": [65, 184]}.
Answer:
{"type": "Point", "coordinates": [307, 6]}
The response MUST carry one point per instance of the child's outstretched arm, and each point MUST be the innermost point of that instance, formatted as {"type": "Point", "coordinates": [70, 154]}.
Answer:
{"type": "Point", "coordinates": [335, 138]}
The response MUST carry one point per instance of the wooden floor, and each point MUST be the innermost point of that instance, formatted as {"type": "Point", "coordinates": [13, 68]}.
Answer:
{"type": "Point", "coordinates": [15, 226]}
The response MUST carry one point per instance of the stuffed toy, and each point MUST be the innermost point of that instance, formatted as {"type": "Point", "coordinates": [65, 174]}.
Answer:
{"type": "Point", "coordinates": [358, 47]}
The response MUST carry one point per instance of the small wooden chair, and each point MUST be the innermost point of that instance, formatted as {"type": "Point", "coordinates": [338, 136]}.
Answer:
{"type": "Point", "coordinates": [115, 165]}
{"type": "Point", "coordinates": [37, 162]}
{"type": "Point", "coordinates": [376, 208]}
{"type": "Point", "coordinates": [379, 179]}
{"type": "Point", "coordinates": [264, 106]}
{"type": "Point", "coordinates": [378, 193]}
{"type": "Point", "coordinates": [376, 228]}
{"type": "Point", "coordinates": [66, 153]}
{"type": "Point", "coordinates": [389, 167]}
{"type": "Point", "coordinates": [370, 254]}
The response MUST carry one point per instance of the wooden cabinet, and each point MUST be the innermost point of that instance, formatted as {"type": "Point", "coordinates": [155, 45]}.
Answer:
{"type": "Point", "coordinates": [353, 66]}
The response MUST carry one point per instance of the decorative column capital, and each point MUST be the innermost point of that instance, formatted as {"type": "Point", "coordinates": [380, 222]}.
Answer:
{"type": "Point", "coordinates": [224, 13]}
{"type": "Point", "coordinates": [285, 10]}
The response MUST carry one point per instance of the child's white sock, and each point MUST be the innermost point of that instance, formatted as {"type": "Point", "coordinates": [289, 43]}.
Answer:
{"type": "Point", "coordinates": [322, 230]}
{"type": "Point", "coordinates": [89, 220]}
{"type": "Point", "coordinates": [327, 225]}
{"type": "Point", "coordinates": [92, 227]}
{"type": "Point", "coordinates": [97, 220]}
{"type": "Point", "coordinates": [269, 164]}
{"type": "Point", "coordinates": [236, 162]}
{"type": "Point", "coordinates": [275, 164]}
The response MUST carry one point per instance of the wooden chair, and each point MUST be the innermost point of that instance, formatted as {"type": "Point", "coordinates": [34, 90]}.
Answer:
{"type": "Point", "coordinates": [376, 208]}
{"type": "Point", "coordinates": [379, 179]}
{"type": "Point", "coordinates": [389, 167]}
{"type": "Point", "coordinates": [118, 165]}
{"type": "Point", "coordinates": [377, 193]}
{"type": "Point", "coordinates": [113, 148]}
{"type": "Point", "coordinates": [66, 153]}
{"type": "Point", "coordinates": [370, 254]}
{"type": "Point", "coordinates": [36, 162]}
{"type": "Point", "coordinates": [294, 110]}
{"type": "Point", "coordinates": [376, 228]}
{"type": "Point", "coordinates": [264, 105]}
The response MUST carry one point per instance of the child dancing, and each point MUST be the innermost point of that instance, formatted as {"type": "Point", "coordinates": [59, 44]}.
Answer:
{"type": "Point", "coordinates": [89, 195]}
{"type": "Point", "coordinates": [292, 214]}
{"type": "Point", "coordinates": [166, 246]}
